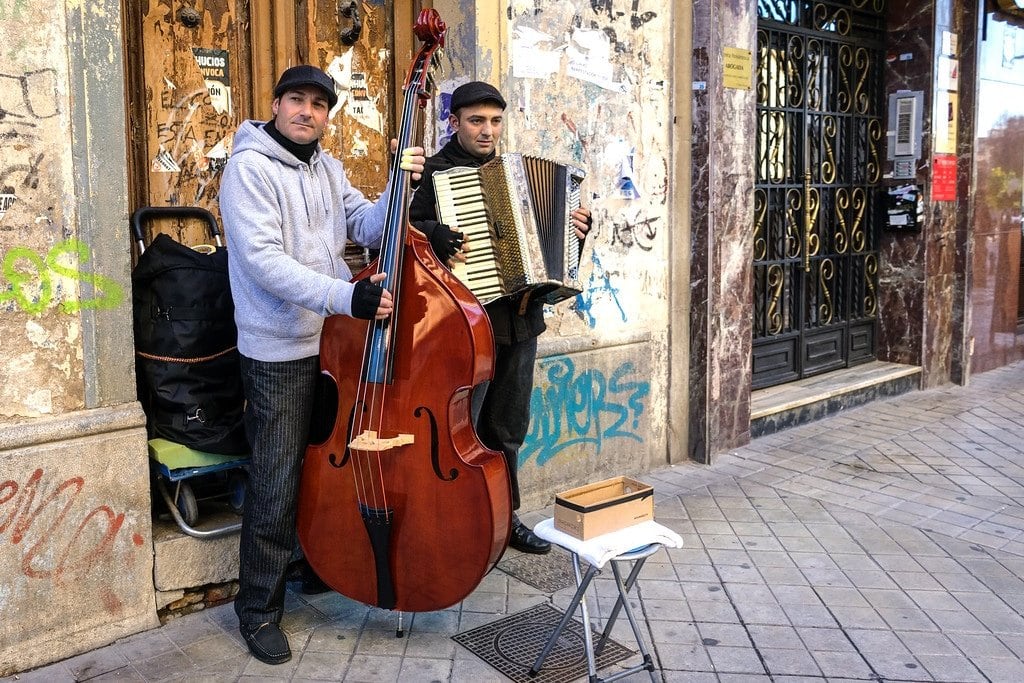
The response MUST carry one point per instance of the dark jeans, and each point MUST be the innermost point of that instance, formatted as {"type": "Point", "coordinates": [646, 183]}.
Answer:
{"type": "Point", "coordinates": [279, 403]}
{"type": "Point", "coordinates": [501, 408]}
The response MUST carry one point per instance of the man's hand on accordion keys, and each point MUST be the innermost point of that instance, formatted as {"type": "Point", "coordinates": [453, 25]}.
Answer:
{"type": "Point", "coordinates": [582, 221]}
{"type": "Point", "coordinates": [447, 244]}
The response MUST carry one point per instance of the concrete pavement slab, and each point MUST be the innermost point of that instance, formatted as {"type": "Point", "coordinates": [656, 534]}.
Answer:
{"type": "Point", "coordinates": [882, 543]}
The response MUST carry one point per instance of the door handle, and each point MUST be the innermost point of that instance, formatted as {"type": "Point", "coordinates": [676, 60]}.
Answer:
{"type": "Point", "coordinates": [350, 11]}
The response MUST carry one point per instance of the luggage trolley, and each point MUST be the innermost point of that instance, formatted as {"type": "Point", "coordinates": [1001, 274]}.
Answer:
{"type": "Point", "coordinates": [183, 343]}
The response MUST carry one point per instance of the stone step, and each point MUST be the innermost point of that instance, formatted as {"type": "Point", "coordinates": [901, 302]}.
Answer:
{"type": "Point", "coordinates": [787, 405]}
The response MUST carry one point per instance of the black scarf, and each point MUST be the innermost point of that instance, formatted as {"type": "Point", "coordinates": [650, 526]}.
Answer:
{"type": "Point", "coordinates": [302, 152]}
{"type": "Point", "coordinates": [455, 153]}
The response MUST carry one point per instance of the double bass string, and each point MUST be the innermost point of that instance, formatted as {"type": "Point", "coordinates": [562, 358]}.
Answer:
{"type": "Point", "coordinates": [372, 394]}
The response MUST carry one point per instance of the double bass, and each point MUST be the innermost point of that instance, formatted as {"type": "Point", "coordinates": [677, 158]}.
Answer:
{"type": "Point", "coordinates": [402, 507]}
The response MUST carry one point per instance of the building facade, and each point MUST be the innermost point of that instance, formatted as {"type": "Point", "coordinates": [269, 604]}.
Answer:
{"type": "Point", "coordinates": [782, 191]}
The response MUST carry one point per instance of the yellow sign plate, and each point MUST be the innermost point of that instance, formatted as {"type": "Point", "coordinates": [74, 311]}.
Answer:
{"type": "Point", "coordinates": [736, 71]}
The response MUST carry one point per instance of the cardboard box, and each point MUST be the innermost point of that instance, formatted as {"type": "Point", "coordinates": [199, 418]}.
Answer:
{"type": "Point", "coordinates": [603, 506]}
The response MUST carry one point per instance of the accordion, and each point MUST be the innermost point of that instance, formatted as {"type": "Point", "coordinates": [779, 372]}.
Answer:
{"type": "Point", "coordinates": [515, 212]}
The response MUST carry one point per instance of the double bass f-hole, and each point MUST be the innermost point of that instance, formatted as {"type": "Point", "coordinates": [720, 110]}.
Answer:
{"type": "Point", "coordinates": [434, 456]}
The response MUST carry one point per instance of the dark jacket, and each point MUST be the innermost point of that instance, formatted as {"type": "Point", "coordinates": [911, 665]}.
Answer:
{"type": "Point", "coordinates": [509, 326]}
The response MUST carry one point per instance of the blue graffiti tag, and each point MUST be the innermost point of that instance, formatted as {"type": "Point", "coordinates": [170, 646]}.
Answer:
{"type": "Point", "coordinates": [571, 409]}
{"type": "Point", "coordinates": [585, 301]}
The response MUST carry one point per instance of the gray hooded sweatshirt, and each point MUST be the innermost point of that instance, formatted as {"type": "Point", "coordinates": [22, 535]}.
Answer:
{"type": "Point", "coordinates": [286, 224]}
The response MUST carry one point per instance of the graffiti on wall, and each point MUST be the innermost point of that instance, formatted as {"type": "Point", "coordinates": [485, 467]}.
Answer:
{"type": "Point", "coordinates": [599, 288]}
{"type": "Point", "coordinates": [27, 100]}
{"type": "Point", "coordinates": [191, 143]}
{"type": "Point", "coordinates": [641, 232]}
{"type": "Point", "coordinates": [32, 283]}
{"type": "Point", "coordinates": [571, 408]}
{"type": "Point", "coordinates": [62, 539]}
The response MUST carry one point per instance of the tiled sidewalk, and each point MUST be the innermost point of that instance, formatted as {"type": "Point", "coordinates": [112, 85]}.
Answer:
{"type": "Point", "coordinates": [885, 543]}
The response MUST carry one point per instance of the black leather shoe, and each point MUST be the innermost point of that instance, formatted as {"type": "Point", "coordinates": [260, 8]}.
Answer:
{"type": "Point", "coordinates": [524, 540]}
{"type": "Point", "coordinates": [267, 642]}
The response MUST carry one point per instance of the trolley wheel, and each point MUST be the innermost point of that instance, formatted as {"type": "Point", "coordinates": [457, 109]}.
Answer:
{"type": "Point", "coordinates": [236, 490]}
{"type": "Point", "coordinates": [187, 504]}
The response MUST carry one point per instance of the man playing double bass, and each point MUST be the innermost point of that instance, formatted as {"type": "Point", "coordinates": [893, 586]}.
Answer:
{"type": "Point", "coordinates": [288, 210]}
{"type": "Point", "coordinates": [502, 408]}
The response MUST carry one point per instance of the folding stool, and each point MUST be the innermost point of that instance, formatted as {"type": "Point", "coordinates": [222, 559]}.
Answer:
{"type": "Point", "coordinates": [632, 544]}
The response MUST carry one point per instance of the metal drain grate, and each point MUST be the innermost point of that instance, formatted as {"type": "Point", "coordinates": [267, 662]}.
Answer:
{"type": "Point", "coordinates": [549, 573]}
{"type": "Point", "coordinates": [511, 646]}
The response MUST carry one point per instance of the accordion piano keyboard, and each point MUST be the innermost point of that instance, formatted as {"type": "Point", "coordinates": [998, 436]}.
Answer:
{"type": "Point", "coordinates": [460, 204]}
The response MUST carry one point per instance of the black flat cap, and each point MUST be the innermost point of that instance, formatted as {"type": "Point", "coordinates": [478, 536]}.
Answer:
{"type": "Point", "coordinates": [304, 74]}
{"type": "Point", "coordinates": [475, 92]}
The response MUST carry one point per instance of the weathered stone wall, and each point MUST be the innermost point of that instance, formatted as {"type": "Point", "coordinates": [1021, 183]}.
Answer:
{"type": "Point", "coordinates": [42, 262]}
{"type": "Point", "coordinates": [76, 552]}
{"type": "Point", "coordinates": [589, 84]}
{"type": "Point", "coordinates": [76, 569]}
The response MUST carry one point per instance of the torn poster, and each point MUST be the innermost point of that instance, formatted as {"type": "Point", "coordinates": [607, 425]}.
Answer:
{"type": "Point", "coordinates": [214, 65]}
{"type": "Point", "coordinates": [589, 54]}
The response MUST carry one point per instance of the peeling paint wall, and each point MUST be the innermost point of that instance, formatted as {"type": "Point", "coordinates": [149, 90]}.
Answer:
{"type": "Point", "coordinates": [43, 261]}
{"type": "Point", "coordinates": [588, 83]}
{"type": "Point", "coordinates": [75, 528]}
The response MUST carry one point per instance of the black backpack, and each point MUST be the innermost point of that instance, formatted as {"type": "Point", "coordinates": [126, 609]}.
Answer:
{"type": "Point", "coordinates": [187, 364]}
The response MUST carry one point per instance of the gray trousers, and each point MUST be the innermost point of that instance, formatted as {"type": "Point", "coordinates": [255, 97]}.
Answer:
{"type": "Point", "coordinates": [279, 405]}
{"type": "Point", "coordinates": [501, 408]}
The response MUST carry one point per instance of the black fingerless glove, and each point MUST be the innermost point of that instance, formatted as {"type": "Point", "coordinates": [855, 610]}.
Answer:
{"type": "Point", "coordinates": [443, 240]}
{"type": "Point", "coordinates": [366, 300]}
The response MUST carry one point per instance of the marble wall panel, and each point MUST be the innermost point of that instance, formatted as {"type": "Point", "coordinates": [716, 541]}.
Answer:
{"type": "Point", "coordinates": [721, 248]}
{"type": "Point", "coordinates": [922, 303]}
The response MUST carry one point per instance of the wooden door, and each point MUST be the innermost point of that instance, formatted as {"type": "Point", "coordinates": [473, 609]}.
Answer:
{"type": "Point", "coordinates": [198, 68]}
{"type": "Point", "coordinates": [188, 73]}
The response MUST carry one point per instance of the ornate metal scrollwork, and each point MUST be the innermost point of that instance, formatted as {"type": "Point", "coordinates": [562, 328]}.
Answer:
{"type": "Point", "coordinates": [794, 203]}
{"type": "Point", "coordinates": [874, 167]}
{"type": "Point", "coordinates": [814, 59]}
{"type": "Point", "coordinates": [794, 79]}
{"type": "Point", "coordinates": [844, 98]}
{"type": "Point", "coordinates": [760, 211]}
{"type": "Point", "coordinates": [826, 276]}
{"type": "Point", "coordinates": [858, 231]}
{"type": "Point", "coordinates": [870, 277]}
{"type": "Point", "coordinates": [840, 236]}
{"type": "Point", "coordinates": [812, 201]}
{"type": "Point", "coordinates": [835, 19]}
{"type": "Point", "coordinates": [776, 280]}
{"type": "Point", "coordinates": [862, 63]}
{"type": "Point", "coordinates": [828, 139]}
{"type": "Point", "coordinates": [820, 157]}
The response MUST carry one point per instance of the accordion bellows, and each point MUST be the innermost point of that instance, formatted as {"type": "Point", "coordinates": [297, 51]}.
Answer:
{"type": "Point", "coordinates": [516, 214]}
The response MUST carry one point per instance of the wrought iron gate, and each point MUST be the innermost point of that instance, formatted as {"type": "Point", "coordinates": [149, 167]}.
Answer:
{"type": "Point", "coordinates": [820, 141]}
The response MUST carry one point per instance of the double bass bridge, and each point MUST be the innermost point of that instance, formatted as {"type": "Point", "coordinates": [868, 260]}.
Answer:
{"type": "Point", "coordinates": [370, 441]}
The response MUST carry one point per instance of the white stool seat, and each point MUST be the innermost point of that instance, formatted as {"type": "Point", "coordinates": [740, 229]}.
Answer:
{"type": "Point", "coordinates": [598, 550]}
{"type": "Point", "coordinates": [632, 544]}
